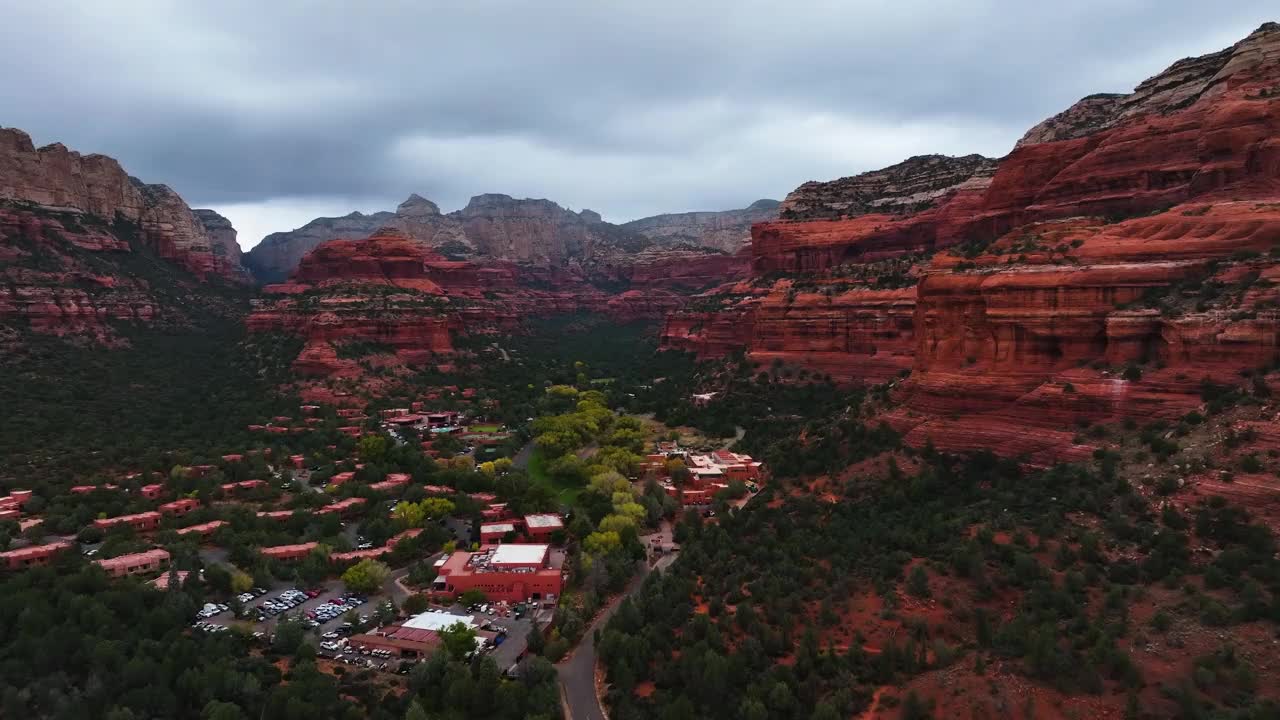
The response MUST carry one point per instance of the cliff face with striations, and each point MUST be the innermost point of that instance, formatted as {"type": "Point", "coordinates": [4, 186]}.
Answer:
{"type": "Point", "coordinates": [55, 178]}
{"type": "Point", "coordinates": [726, 230]}
{"type": "Point", "coordinates": [1130, 230]}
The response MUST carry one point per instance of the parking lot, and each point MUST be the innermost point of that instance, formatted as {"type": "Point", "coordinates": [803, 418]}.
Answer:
{"type": "Point", "coordinates": [291, 601]}
{"type": "Point", "coordinates": [326, 608]}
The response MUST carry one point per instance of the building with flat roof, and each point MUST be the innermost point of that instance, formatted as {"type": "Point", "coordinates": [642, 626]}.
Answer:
{"type": "Point", "coordinates": [288, 553]}
{"type": "Point", "coordinates": [512, 572]}
{"type": "Point", "coordinates": [162, 582]}
{"type": "Point", "coordinates": [541, 526]}
{"type": "Point", "coordinates": [342, 507]}
{"type": "Point", "coordinates": [152, 491]}
{"type": "Point", "coordinates": [179, 507]}
{"type": "Point", "coordinates": [392, 481]}
{"type": "Point", "coordinates": [141, 522]}
{"type": "Point", "coordinates": [32, 556]}
{"type": "Point", "coordinates": [494, 532]}
{"type": "Point", "coordinates": [243, 486]}
{"type": "Point", "coordinates": [136, 563]}
{"type": "Point", "coordinates": [275, 514]}
{"type": "Point", "coordinates": [204, 530]}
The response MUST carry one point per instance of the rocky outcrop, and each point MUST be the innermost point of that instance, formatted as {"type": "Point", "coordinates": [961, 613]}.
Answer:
{"type": "Point", "coordinates": [1131, 230]}
{"type": "Point", "coordinates": [55, 178]}
{"type": "Point", "coordinates": [725, 230]}
{"type": "Point", "coordinates": [1178, 87]}
{"type": "Point", "coordinates": [493, 227]}
{"type": "Point", "coordinates": [228, 258]}
{"type": "Point", "coordinates": [908, 187]}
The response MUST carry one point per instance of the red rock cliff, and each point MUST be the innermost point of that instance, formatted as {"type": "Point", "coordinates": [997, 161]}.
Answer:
{"type": "Point", "coordinates": [58, 178]}
{"type": "Point", "coordinates": [1038, 290]}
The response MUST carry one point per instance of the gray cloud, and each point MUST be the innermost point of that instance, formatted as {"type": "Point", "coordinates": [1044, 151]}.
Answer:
{"type": "Point", "coordinates": [275, 109]}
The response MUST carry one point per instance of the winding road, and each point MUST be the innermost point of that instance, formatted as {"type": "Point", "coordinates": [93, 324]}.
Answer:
{"type": "Point", "coordinates": [578, 672]}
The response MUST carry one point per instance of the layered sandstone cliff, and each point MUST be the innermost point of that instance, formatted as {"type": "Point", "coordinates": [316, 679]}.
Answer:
{"type": "Point", "coordinates": [1131, 230]}
{"type": "Point", "coordinates": [53, 177]}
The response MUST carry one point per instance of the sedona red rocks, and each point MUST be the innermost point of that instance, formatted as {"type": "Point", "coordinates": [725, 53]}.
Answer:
{"type": "Point", "coordinates": [1035, 295]}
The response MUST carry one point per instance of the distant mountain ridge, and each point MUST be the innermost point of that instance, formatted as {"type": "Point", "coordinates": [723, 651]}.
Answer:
{"type": "Point", "coordinates": [727, 230]}
{"type": "Point", "coordinates": [528, 231]}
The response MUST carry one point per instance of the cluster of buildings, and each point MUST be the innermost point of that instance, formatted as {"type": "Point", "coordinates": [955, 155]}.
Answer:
{"type": "Point", "coordinates": [11, 505]}
{"type": "Point", "coordinates": [708, 473]}
{"type": "Point", "coordinates": [538, 527]}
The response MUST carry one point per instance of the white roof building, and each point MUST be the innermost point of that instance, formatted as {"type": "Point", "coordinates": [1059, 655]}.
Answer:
{"type": "Point", "coordinates": [436, 620]}
{"type": "Point", "coordinates": [519, 554]}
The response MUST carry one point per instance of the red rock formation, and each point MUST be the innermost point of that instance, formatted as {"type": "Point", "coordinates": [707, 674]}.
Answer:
{"type": "Point", "coordinates": [61, 276]}
{"type": "Point", "coordinates": [1035, 297]}
{"type": "Point", "coordinates": [57, 178]}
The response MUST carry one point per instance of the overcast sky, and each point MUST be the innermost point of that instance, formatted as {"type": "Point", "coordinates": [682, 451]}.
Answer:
{"type": "Point", "coordinates": [276, 112]}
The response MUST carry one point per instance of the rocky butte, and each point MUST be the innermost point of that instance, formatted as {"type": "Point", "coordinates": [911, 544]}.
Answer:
{"type": "Point", "coordinates": [1122, 253]}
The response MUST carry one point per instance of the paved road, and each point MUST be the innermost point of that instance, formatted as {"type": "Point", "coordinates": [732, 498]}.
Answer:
{"type": "Point", "coordinates": [578, 673]}
{"type": "Point", "coordinates": [521, 459]}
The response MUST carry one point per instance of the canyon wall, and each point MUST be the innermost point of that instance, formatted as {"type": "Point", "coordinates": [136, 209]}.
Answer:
{"type": "Point", "coordinates": [1117, 257]}
{"type": "Point", "coordinates": [55, 178]}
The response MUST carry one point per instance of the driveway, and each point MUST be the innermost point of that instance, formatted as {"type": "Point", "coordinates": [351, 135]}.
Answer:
{"type": "Point", "coordinates": [578, 672]}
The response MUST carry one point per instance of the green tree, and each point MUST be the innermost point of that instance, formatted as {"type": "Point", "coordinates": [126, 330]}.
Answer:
{"type": "Point", "coordinates": [366, 576]}
{"type": "Point", "coordinates": [416, 712]}
{"type": "Point", "coordinates": [458, 640]}
{"type": "Point", "coordinates": [918, 582]}
{"type": "Point", "coordinates": [372, 448]}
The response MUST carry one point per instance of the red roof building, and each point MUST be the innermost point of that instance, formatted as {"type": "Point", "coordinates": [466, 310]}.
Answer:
{"type": "Point", "coordinates": [152, 492]}
{"type": "Point", "coordinates": [15, 500]}
{"type": "Point", "coordinates": [141, 522]}
{"type": "Point", "coordinates": [242, 486]}
{"type": "Point", "coordinates": [342, 477]}
{"type": "Point", "coordinates": [512, 572]}
{"type": "Point", "coordinates": [357, 555]}
{"type": "Point", "coordinates": [162, 582]}
{"type": "Point", "coordinates": [342, 507]}
{"type": "Point", "coordinates": [276, 514]}
{"type": "Point", "coordinates": [496, 511]}
{"type": "Point", "coordinates": [32, 556]}
{"type": "Point", "coordinates": [179, 507]}
{"type": "Point", "coordinates": [204, 530]}
{"type": "Point", "coordinates": [288, 552]}
{"type": "Point", "coordinates": [233, 458]}
{"type": "Point", "coordinates": [393, 481]}
{"type": "Point", "coordinates": [136, 563]}
{"type": "Point", "coordinates": [297, 461]}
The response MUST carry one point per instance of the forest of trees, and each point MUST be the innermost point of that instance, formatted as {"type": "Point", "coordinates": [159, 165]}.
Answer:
{"type": "Point", "coordinates": [772, 581]}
